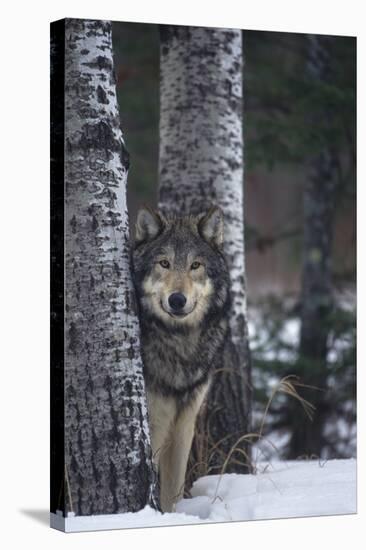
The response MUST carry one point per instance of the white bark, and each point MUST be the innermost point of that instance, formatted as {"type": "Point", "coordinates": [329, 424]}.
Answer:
{"type": "Point", "coordinates": [108, 466]}
{"type": "Point", "coordinates": [201, 162]}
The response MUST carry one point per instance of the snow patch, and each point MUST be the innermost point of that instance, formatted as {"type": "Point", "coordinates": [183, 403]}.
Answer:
{"type": "Point", "coordinates": [282, 490]}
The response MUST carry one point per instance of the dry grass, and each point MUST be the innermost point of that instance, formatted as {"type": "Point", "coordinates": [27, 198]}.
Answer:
{"type": "Point", "coordinates": [67, 483]}
{"type": "Point", "coordinates": [205, 448]}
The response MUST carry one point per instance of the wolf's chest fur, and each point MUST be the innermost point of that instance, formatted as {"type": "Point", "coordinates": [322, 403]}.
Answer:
{"type": "Point", "coordinates": [179, 361]}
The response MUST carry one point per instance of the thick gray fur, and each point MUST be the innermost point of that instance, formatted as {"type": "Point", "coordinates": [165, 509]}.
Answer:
{"type": "Point", "coordinates": [179, 354]}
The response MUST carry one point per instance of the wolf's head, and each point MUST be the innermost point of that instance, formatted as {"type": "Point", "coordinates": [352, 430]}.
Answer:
{"type": "Point", "coordinates": [180, 272]}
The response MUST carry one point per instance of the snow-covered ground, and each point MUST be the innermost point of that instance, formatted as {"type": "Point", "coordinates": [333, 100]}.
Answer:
{"type": "Point", "coordinates": [282, 490]}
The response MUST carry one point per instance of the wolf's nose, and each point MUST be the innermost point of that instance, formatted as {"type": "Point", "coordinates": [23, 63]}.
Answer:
{"type": "Point", "coordinates": [177, 301]}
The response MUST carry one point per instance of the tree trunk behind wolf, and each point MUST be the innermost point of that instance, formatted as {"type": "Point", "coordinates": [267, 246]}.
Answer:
{"type": "Point", "coordinates": [108, 465]}
{"type": "Point", "coordinates": [316, 296]}
{"type": "Point", "coordinates": [201, 162]}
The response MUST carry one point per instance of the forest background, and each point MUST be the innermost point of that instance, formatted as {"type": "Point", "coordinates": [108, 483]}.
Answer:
{"type": "Point", "coordinates": [283, 132]}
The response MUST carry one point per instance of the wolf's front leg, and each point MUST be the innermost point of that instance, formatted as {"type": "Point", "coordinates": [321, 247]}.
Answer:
{"type": "Point", "coordinates": [174, 457]}
{"type": "Point", "coordinates": [162, 411]}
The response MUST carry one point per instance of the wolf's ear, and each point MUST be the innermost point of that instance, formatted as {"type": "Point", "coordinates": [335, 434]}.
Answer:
{"type": "Point", "coordinates": [211, 226]}
{"type": "Point", "coordinates": [148, 225]}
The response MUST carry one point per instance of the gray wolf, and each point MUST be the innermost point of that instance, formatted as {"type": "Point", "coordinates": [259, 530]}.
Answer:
{"type": "Point", "coordinates": [182, 285]}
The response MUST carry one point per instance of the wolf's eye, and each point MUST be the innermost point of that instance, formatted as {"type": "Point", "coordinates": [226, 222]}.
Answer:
{"type": "Point", "coordinates": [165, 264]}
{"type": "Point", "coordinates": [195, 265]}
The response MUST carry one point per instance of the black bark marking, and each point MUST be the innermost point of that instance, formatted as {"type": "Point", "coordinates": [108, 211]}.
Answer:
{"type": "Point", "coordinates": [73, 224]}
{"type": "Point", "coordinates": [125, 157]}
{"type": "Point", "coordinates": [98, 136]}
{"type": "Point", "coordinates": [95, 223]}
{"type": "Point", "coordinates": [112, 485]}
{"type": "Point", "coordinates": [101, 62]}
{"type": "Point", "coordinates": [131, 349]}
{"type": "Point", "coordinates": [102, 96]}
{"type": "Point", "coordinates": [73, 338]}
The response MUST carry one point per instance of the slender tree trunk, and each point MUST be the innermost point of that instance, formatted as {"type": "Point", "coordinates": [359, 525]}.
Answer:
{"type": "Point", "coordinates": [316, 300]}
{"type": "Point", "coordinates": [108, 465]}
{"type": "Point", "coordinates": [201, 162]}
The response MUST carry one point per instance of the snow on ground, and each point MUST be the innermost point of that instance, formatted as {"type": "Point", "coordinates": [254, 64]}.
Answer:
{"type": "Point", "coordinates": [282, 490]}
{"type": "Point", "coordinates": [285, 489]}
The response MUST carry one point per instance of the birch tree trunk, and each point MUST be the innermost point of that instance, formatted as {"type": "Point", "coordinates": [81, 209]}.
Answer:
{"type": "Point", "coordinates": [108, 466]}
{"type": "Point", "coordinates": [201, 162]}
{"type": "Point", "coordinates": [316, 299]}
